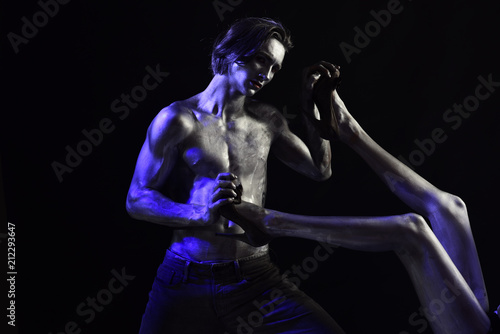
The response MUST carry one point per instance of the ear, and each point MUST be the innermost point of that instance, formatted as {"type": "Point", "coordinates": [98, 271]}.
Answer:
{"type": "Point", "coordinates": [233, 67]}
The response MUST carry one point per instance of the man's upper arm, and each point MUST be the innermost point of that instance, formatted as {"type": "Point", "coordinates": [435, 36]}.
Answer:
{"type": "Point", "coordinates": [159, 152]}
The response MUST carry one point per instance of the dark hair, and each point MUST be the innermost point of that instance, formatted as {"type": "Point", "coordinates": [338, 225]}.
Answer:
{"type": "Point", "coordinates": [243, 39]}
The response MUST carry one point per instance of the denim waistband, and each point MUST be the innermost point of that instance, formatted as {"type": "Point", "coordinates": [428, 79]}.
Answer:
{"type": "Point", "coordinates": [217, 270]}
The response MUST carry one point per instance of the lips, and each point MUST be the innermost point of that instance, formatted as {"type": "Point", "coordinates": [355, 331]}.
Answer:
{"type": "Point", "coordinates": [256, 84]}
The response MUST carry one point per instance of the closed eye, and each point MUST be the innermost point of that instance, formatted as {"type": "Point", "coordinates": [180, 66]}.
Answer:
{"type": "Point", "coordinates": [264, 59]}
{"type": "Point", "coordinates": [261, 59]}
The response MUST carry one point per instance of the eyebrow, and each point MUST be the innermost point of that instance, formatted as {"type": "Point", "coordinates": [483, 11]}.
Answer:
{"type": "Point", "coordinates": [270, 58]}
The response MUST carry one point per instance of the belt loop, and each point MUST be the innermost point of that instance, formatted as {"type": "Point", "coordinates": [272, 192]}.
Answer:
{"type": "Point", "coordinates": [186, 272]}
{"type": "Point", "coordinates": [237, 270]}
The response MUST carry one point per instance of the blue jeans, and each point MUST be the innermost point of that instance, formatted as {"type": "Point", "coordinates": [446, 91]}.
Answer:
{"type": "Point", "coordinates": [238, 297]}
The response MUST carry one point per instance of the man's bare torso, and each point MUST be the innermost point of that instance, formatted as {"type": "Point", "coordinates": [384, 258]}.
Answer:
{"type": "Point", "coordinates": [240, 146]}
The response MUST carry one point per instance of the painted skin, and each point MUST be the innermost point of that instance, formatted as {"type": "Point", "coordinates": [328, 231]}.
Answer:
{"type": "Point", "coordinates": [196, 149]}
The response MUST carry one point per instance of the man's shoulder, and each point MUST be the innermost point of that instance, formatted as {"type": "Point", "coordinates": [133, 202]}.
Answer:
{"type": "Point", "coordinates": [262, 109]}
{"type": "Point", "coordinates": [175, 119]}
{"type": "Point", "coordinates": [177, 109]}
{"type": "Point", "coordinates": [266, 112]}
{"type": "Point", "coordinates": [177, 113]}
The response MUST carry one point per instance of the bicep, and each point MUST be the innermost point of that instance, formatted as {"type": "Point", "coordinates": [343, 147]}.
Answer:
{"type": "Point", "coordinates": [159, 152]}
{"type": "Point", "coordinates": [152, 169]}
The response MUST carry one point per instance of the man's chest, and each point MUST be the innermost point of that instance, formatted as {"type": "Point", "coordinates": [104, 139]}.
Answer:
{"type": "Point", "coordinates": [236, 146]}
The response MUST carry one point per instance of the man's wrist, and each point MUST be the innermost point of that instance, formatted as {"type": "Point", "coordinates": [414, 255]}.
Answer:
{"type": "Point", "coordinates": [197, 217]}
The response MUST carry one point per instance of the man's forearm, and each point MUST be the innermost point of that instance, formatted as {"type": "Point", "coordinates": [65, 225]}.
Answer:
{"type": "Point", "coordinates": [152, 206]}
{"type": "Point", "coordinates": [319, 148]}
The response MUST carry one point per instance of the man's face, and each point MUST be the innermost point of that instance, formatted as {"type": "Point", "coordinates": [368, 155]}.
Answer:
{"type": "Point", "coordinates": [250, 77]}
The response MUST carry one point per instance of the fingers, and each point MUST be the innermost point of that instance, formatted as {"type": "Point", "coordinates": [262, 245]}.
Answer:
{"type": "Point", "coordinates": [226, 176]}
{"type": "Point", "coordinates": [322, 68]}
{"type": "Point", "coordinates": [334, 70]}
{"type": "Point", "coordinates": [325, 68]}
{"type": "Point", "coordinates": [226, 184]}
{"type": "Point", "coordinates": [223, 197]}
{"type": "Point", "coordinates": [226, 190]}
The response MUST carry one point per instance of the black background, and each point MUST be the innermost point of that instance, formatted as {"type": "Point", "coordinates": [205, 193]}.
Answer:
{"type": "Point", "coordinates": [70, 235]}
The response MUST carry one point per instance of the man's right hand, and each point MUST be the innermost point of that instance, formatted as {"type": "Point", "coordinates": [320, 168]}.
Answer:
{"type": "Point", "coordinates": [224, 192]}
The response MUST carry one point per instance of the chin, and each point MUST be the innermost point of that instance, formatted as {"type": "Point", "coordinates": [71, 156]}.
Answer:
{"type": "Point", "coordinates": [249, 92]}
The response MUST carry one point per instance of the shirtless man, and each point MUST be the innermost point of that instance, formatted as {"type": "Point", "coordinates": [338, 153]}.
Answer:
{"type": "Point", "coordinates": [196, 155]}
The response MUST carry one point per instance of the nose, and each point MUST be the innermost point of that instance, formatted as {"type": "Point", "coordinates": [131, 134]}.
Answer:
{"type": "Point", "coordinates": [265, 77]}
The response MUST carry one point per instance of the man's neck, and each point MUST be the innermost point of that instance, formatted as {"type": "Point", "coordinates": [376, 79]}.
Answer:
{"type": "Point", "coordinates": [221, 99]}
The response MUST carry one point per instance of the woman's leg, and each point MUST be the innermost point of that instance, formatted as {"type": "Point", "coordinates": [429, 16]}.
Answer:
{"type": "Point", "coordinates": [443, 263]}
{"type": "Point", "coordinates": [446, 213]}
{"type": "Point", "coordinates": [447, 299]}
